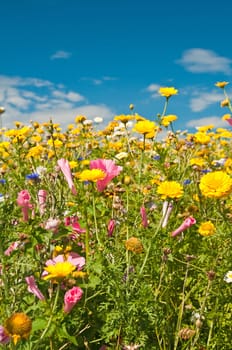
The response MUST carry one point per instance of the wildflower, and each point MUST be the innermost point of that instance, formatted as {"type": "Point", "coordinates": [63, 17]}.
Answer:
{"type": "Point", "coordinates": [18, 326]}
{"type": "Point", "coordinates": [166, 120]}
{"type": "Point", "coordinates": [52, 224]}
{"type": "Point", "coordinates": [93, 175]}
{"type": "Point", "coordinates": [186, 224]}
{"type": "Point", "coordinates": [131, 106]}
{"type": "Point", "coordinates": [202, 138]}
{"type": "Point", "coordinates": [170, 189]}
{"type": "Point", "coordinates": [111, 227]}
{"type": "Point", "coordinates": [11, 248]}
{"type": "Point", "coordinates": [65, 168]}
{"type": "Point", "coordinates": [109, 168]}
{"type": "Point", "coordinates": [23, 201]}
{"type": "Point", "coordinates": [73, 221]}
{"type": "Point", "coordinates": [4, 338]}
{"type": "Point", "coordinates": [98, 120]}
{"type": "Point", "coordinates": [80, 118]}
{"type": "Point", "coordinates": [167, 91]}
{"type": "Point", "coordinates": [186, 333]}
{"type": "Point", "coordinates": [228, 277]}
{"type": "Point", "coordinates": [71, 297]}
{"type": "Point", "coordinates": [134, 245]}
{"type": "Point", "coordinates": [145, 127]}
{"type": "Point", "coordinates": [42, 195]}
{"type": "Point", "coordinates": [32, 177]}
{"type": "Point", "coordinates": [62, 266]}
{"type": "Point", "coordinates": [228, 118]}
{"type": "Point", "coordinates": [221, 84]}
{"type": "Point", "coordinates": [225, 102]}
{"type": "Point", "coordinates": [166, 211]}
{"type": "Point", "coordinates": [33, 288]}
{"type": "Point", "coordinates": [143, 216]}
{"type": "Point", "coordinates": [216, 184]}
{"type": "Point", "coordinates": [123, 118]}
{"type": "Point", "coordinates": [207, 228]}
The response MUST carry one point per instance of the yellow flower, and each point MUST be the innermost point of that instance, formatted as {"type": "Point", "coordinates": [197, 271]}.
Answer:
{"type": "Point", "coordinates": [207, 228]}
{"type": "Point", "coordinates": [221, 84]}
{"type": "Point", "coordinates": [145, 127]}
{"type": "Point", "coordinates": [226, 116]}
{"type": "Point", "coordinates": [18, 326]}
{"type": "Point", "coordinates": [170, 189]}
{"type": "Point", "coordinates": [59, 271]}
{"type": "Point", "coordinates": [123, 118]}
{"type": "Point", "coordinates": [197, 161]}
{"type": "Point", "coordinates": [134, 245]}
{"type": "Point", "coordinates": [205, 128]}
{"type": "Point", "coordinates": [167, 91]}
{"type": "Point", "coordinates": [80, 118]}
{"type": "Point", "coordinates": [92, 175]}
{"type": "Point", "coordinates": [217, 184]}
{"type": "Point", "coordinates": [225, 103]}
{"type": "Point", "coordinates": [167, 119]}
{"type": "Point", "coordinates": [55, 143]}
{"type": "Point", "coordinates": [202, 138]}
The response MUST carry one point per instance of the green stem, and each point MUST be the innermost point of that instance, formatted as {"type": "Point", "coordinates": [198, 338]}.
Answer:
{"type": "Point", "coordinates": [95, 218]}
{"type": "Point", "coordinates": [141, 159]}
{"type": "Point", "coordinates": [50, 318]}
{"type": "Point", "coordinates": [181, 310]}
{"type": "Point", "coordinates": [165, 107]}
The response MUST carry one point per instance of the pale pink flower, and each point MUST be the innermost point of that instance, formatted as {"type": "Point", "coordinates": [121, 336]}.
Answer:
{"type": "Point", "coordinates": [71, 297]}
{"type": "Point", "coordinates": [42, 195]}
{"type": "Point", "coordinates": [143, 216]}
{"type": "Point", "coordinates": [166, 211]}
{"type": "Point", "coordinates": [110, 169]}
{"type": "Point", "coordinates": [111, 227]}
{"type": "Point", "coordinates": [52, 225]}
{"type": "Point", "coordinates": [65, 168]}
{"type": "Point", "coordinates": [11, 248]}
{"type": "Point", "coordinates": [33, 288]}
{"type": "Point", "coordinates": [23, 200]}
{"type": "Point", "coordinates": [186, 224]}
{"type": "Point", "coordinates": [4, 338]}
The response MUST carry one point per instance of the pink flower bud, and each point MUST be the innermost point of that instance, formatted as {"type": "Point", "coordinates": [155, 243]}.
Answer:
{"type": "Point", "coordinates": [111, 227]}
{"type": "Point", "coordinates": [71, 297]}
{"type": "Point", "coordinates": [186, 224]}
{"type": "Point", "coordinates": [143, 216]}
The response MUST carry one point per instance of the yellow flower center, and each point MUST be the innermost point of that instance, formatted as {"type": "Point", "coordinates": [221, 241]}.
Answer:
{"type": "Point", "coordinates": [92, 175]}
{"type": "Point", "coordinates": [59, 270]}
{"type": "Point", "coordinates": [18, 326]}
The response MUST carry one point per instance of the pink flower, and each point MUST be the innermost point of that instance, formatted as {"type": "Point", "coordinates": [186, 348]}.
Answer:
{"type": "Point", "coordinates": [166, 210]}
{"type": "Point", "coordinates": [186, 224]}
{"type": "Point", "coordinates": [4, 338]}
{"type": "Point", "coordinates": [42, 195]}
{"type": "Point", "coordinates": [11, 248]}
{"type": "Point", "coordinates": [73, 221]}
{"type": "Point", "coordinates": [109, 167]}
{"type": "Point", "coordinates": [23, 201]}
{"type": "Point", "coordinates": [65, 168]}
{"type": "Point", "coordinates": [229, 120]}
{"type": "Point", "coordinates": [33, 288]}
{"type": "Point", "coordinates": [143, 216]}
{"type": "Point", "coordinates": [111, 227]}
{"type": "Point", "coordinates": [52, 224]}
{"type": "Point", "coordinates": [71, 297]}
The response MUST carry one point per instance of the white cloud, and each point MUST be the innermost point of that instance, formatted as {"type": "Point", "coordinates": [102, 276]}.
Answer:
{"type": "Point", "coordinates": [71, 95]}
{"type": "Point", "coordinates": [153, 88]}
{"type": "Point", "coordinates": [199, 60]}
{"type": "Point", "coordinates": [26, 99]}
{"type": "Point", "coordinates": [216, 121]}
{"type": "Point", "coordinates": [100, 81]}
{"type": "Point", "coordinates": [61, 55]}
{"type": "Point", "coordinates": [204, 100]}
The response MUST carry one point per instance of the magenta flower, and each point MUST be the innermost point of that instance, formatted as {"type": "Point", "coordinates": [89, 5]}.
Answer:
{"type": "Point", "coordinates": [166, 210]}
{"type": "Point", "coordinates": [65, 168]}
{"type": "Point", "coordinates": [111, 227]}
{"type": "Point", "coordinates": [4, 338]}
{"type": "Point", "coordinates": [186, 224]}
{"type": "Point", "coordinates": [109, 167]}
{"type": "Point", "coordinates": [73, 221]}
{"type": "Point", "coordinates": [23, 201]}
{"type": "Point", "coordinates": [11, 248]}
{"type": "Point", "coordinates": [33, 288]}
{"type": "Point", "coordinates": [42, 195]}
{"type": "Point", "coordinates": [143, 216]}
{"type": "Point", "coordinates": [71, 297]}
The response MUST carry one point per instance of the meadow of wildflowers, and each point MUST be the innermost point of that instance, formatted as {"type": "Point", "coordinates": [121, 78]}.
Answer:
{"type": "Point", "coordinates": [116, 238]}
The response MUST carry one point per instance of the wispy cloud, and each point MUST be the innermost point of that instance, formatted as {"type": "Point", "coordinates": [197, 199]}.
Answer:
{"type": "Point", "coordinates": [199, 60]}
{"type": "Point", "coordinates": [204, 100]}
{"type": "Point", "coordinates": [153, 88]}
{"type": "Point", "coordinates": [61, 55]}
{"type": "Point", "coordinates": [26, 99]}
{"type": "Point", "coordinates": [99, 81]}
{"type": "Point", "coordinates": [216, 121]}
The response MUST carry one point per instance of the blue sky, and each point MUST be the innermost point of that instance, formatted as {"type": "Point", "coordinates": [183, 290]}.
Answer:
{"type": "Point", "coordinates": [61, 58]}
